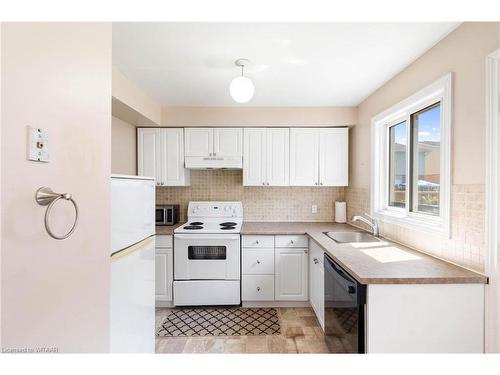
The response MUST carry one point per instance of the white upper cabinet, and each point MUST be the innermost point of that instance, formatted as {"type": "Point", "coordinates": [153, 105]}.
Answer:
{"type": "Point", "coordinates": [278, 156]}
{"type": "Point", "coordinates": [333, 156]}
{"type": "Point", "coordinates": [207, 142]}
{"type": "Point", "coordinates": [266, 157]}
{"type": "Point", "coordinates": [304, 156]}
{"type": "Point", "coordinates": [319, 156]}
{"type": "Point", "coordinates": [148, 153]}
{"type": "Point", "coordinates": [173, 172]}
{"type": "Point", "coordinates": [160, 154]}
{"type": "Point", "coordinates": [254, 156]}
{"type": "Point", "coordinates": [227, 142]}
{"type": "Point", "coordinates": [199, 142]}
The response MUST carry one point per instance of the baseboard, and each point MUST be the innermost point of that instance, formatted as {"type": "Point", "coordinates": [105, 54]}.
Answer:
{"type": "Point", "coordinates": [275, 304]}
{"type": "Point", "coordinates": [164, 304]}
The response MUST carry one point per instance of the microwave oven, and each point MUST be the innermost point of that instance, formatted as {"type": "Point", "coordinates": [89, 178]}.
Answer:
{"type": "Point", "coordinates": [167, 214]}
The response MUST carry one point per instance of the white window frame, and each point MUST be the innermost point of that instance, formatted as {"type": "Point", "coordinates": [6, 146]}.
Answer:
{"type": "Point", "coordinates": [439, 91]}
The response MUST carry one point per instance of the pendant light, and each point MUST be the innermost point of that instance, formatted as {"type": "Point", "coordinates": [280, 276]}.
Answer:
{"type": "Point", "coordinates": [241, 88]}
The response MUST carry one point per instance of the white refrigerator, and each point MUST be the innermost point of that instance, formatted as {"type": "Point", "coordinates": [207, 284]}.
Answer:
{"type": "Point", "coordinates": [132, 264]}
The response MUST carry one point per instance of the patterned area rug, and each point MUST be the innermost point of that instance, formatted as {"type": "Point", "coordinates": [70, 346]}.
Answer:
{"type": "Point", "coordinates": [220, 321]}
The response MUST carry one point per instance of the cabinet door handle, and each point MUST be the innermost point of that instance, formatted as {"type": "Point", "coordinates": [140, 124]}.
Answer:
{"type": "Point", "coordinates": [258, 261]}
{"type": "Point", "coordinates": [321, 183]}
{"type": "Point", "coordinates": [315, 183]}
{"type": "Point", "coordinates": [315, 260]}
{"type": "Point", "coordinates": [257, 242]}
{"type": "Point", "coordinates": [291, 242]}
{"type": "Point", "coordinates": [305, 251]}
{"type": "Point", "coordinates": [258, 289]}
{"type": "Point", "coordinates": [267, 184]}
{"type": "Point", "coordinates": [263, 183]}
{"type": "Point", "coordinates": [215, 154]}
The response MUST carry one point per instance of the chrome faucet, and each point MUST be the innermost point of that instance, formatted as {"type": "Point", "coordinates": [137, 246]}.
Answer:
{"type": "Point", "coordinates": [369, 221]}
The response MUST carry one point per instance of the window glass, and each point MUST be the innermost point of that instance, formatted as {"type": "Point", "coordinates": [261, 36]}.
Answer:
{"type": "Point", "coordinates": [397, 165]}
{"type": "Point", "coordinates": [425, 164]}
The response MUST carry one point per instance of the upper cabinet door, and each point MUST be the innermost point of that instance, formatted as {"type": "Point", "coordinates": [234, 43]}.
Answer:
{"type": "Point", "coordinates": [149, 153]}
{"type": "Point", "coordinates": [333, 156]}
{"type": "Point", "coordinates": [228, 142]}
{"type": "Point", "coordinates": [198, 142]}
{"type": "Point", "coordinates": [278, 157]}
{"type": "Point", "coordinates": [173, 172]}
{"type": "Point", "coordinates": [304, 155]}
{"type": "Point", "coordinates": [254, 156]}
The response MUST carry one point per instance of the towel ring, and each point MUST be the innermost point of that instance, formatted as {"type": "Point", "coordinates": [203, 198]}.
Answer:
{"type": "Point", "coordinates": [44, 196]}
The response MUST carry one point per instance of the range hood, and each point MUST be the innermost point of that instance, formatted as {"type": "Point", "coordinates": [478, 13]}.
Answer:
{"type": "Point", "coordinates": [213, 162]}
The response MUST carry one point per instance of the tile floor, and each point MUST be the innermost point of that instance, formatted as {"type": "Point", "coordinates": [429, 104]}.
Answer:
{"type": "Point", "coordinates": [300, 333]}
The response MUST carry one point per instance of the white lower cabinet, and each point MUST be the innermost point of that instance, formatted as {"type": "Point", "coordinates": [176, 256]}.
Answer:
{"type": "Point", "coordinates": [164, 274]}
{"type": "Point", "coordinates": [257, 288]}
{"type": "Point", "coordinates": [317, 282]}
{"type": "Point", "coordinates": [290, 282]}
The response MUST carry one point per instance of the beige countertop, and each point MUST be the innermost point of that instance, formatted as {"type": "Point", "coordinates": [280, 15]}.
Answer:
{"type": "Point", "coordinates": [382, 262]}
{"type": "Point", "coordinates": [167, 229]}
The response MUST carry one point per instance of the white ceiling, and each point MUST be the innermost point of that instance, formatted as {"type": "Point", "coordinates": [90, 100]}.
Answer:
{"type": "Point", "coordinates": [292, 64]}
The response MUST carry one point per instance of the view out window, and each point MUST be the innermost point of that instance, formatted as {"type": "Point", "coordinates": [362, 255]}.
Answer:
{"type": "Point", "coordinates": [397, 165]}
{"type": "Point", "coordinates": [426, 144]}
{"type": "Point", "coordinates": [411, 160]}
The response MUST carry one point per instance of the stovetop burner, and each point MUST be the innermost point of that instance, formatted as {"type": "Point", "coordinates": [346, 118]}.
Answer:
{"type": "Point", "coordinates": [196, 223]}
{"type": "Point", "coordinates": [228, 223]}
{"type": "Point", "coordinates": [192, 227]}
{"type": "Point", "coordinates": [227, 227]}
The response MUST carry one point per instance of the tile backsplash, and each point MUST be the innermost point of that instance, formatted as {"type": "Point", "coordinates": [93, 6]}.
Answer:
{"type": "Point", "coordinates": [259, 203]}
{"type": "Point", "coordinates": [466, 245]}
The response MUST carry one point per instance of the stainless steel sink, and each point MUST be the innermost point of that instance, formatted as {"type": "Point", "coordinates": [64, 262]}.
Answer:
{"type": "Point", "coordinates": [351, 237]}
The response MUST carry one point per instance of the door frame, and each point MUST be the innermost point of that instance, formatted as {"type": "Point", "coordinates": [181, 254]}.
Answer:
{"type": "Point", "coordinates": [492, 219]}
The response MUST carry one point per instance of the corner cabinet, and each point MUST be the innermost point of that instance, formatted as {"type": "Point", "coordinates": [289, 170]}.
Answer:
{"type": "Point", "coordinates": [160, 154]}
{"type": "Point", "coordinates": [266, 156]}
{"type": "Point", "coordinates": [317, 282]}
{"type": "Point", "coordinates": [319, 156]}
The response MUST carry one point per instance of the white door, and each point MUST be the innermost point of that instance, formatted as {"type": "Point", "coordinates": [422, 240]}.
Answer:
{"type": "Point", "coordinates": [317, 282]}
{"type": "Point", "coordinates": [148, 153]}
{"type": "Point", "coordinates": [291, 266]}
{"type": "Point", "coordinates": [254, 157]}
{"type": "Point", "coordinates": [304, 148]}
{"type": "Point", "coordinates": [278, 156]}
{"type": "Point", "coordinates": [198, 142]}
{"type": "Point", "coordinates": [164, 274]}
{"type": "Point", "coordinates": [333, 156]}
{"type": "Point", "coordinates": [228, 142]}
{"type": "Point", "coordinates": [173, 172]}
{"type": "Point", "coordinates": [132, 305]}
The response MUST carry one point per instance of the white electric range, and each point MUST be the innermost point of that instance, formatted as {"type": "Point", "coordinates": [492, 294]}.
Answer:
{"type": "Point", "coordinates": [207, 255]}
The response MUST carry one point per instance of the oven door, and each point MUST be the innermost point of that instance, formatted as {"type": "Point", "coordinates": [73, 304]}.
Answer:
{"type": "Point", "coordinates": [207, 257]}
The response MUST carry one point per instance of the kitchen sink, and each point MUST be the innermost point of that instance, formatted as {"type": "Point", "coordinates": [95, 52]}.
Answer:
{"type": "Point", "coordinates": [351, 237]}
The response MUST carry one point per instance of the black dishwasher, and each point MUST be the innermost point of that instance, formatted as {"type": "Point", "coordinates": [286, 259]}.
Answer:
{"type": "Point", "coordinates": [345, 301]}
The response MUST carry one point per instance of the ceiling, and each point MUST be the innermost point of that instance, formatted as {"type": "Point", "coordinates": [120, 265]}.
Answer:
{"type": "Point", "coordinates": [291, 64]}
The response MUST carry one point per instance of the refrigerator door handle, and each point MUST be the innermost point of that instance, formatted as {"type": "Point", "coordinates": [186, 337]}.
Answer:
{"type": "Point", "coordinates": [131, 249]}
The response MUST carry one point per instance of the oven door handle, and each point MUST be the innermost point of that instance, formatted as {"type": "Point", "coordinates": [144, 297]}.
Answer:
{"type": "Point", "coordinates": [207, 237]}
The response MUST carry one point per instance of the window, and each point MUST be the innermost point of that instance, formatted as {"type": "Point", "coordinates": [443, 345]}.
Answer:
{"type": "Point", "coordinates": [411, 160]}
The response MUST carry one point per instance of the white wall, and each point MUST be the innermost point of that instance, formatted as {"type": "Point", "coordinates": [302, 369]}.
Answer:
{"type": "Point", "coordinates": [56, 76]}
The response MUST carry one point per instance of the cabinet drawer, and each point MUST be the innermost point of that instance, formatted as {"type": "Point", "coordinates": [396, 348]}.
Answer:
{"type": "Point", "coordinates": [292, 241]}
{"type": "Point", "coordinates": [257, 288]}
{"type": "Point", "coordinates": [258, 261]}
{"type": "Point", "coordinates": [163, 241]}
{"type": "Point", "coordinates": [257, 241]}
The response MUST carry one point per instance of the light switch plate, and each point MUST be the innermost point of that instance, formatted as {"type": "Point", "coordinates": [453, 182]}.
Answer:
{"type": "Point", "coordinates": [38, 144]}
{"type": "Point", "coordinates": [314, 209]}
